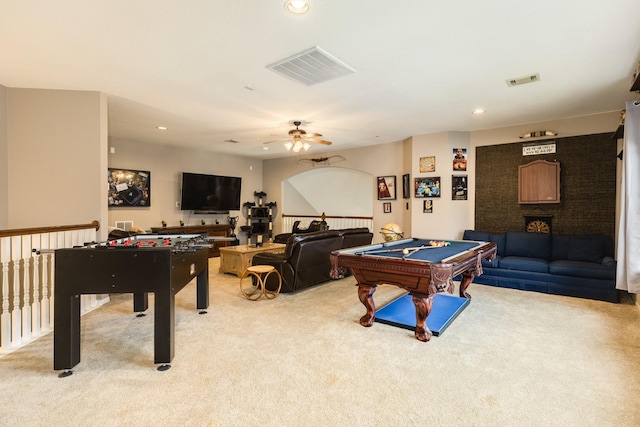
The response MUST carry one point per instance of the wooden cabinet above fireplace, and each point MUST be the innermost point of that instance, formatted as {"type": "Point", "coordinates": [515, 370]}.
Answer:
{"type": "Point", "coordinates": [539, 182]}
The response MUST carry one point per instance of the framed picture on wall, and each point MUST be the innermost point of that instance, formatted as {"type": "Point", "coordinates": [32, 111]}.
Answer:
{"type": "Point", "coordinates": [427, 187]}
{"type": "Point", "coordinates": [459, 159]}
{"type": "Point", "coordinates": [129, 188]}
{"type": "Point", "coordinates": [427, 206]}
{"type": "Point", "coordinates": [387, 187]}
{"type": "Point", "coordinates": [459, 187]}
{"type": "Point", "coordinates": [427, 164]}
{"type": "Point", "coordinates": [387, 207]}
{"type": "Point", "coordinates": [406, 186]}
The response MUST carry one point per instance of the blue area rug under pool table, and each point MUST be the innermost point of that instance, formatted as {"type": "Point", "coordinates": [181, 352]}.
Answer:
{"type": "Point", "coordinates": [402, 313]}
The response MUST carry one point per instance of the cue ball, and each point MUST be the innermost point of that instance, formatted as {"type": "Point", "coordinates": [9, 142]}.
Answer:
{"type": "Point", "coordinates": [405, 252]}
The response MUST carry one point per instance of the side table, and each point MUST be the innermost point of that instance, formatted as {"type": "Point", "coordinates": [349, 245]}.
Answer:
{"type": "Point", "coordinates": [237, 259]}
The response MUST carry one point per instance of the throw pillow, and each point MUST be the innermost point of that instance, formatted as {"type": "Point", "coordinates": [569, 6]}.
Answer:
{"type": "Point", "coordinates": [585, 249]}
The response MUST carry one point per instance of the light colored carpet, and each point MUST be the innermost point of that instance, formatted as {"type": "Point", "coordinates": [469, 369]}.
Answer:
{"type": "Point", "coordinates": [512, 358]}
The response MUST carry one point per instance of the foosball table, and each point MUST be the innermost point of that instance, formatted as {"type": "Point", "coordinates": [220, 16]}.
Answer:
{"type": "Point", "coordinates": [162, 264]}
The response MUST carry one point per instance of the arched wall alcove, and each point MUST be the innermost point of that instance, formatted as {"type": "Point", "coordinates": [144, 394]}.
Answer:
{"type": "Point", "coordinates": [329, 190]}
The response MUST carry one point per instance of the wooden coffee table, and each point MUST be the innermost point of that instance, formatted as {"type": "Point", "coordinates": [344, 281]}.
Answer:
{"type": "Point", "coordinates": [236, 259]}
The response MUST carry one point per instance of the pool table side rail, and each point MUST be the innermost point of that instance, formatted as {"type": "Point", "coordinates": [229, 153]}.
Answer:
{"type": "Point", "coordinates": [396, 266]}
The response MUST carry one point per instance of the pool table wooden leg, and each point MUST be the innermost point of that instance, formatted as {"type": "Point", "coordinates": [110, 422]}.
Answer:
{"type": "Point", "coordinates": [467, 278]}
{"type": "Point", "coordinates": [365, 293]}
{"type": "Point", "coordinates": [423, 308]}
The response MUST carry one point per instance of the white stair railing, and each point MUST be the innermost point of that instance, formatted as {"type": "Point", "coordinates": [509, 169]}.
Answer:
{"type": "Point", "coordinates": [334, 222]}
{"type": "Point", "coordinates": [27, 280]}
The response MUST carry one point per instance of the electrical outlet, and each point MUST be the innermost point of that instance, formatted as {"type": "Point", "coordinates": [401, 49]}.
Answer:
{"type": "Point", "coordinates": [177, 204]}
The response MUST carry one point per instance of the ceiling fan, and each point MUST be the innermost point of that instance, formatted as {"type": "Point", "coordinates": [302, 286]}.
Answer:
{"type": "Point", "coordinates": [300, 139]}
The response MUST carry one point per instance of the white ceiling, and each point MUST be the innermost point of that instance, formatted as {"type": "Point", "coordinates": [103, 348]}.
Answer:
{"type": "Point", "coordinates": [421, 66]}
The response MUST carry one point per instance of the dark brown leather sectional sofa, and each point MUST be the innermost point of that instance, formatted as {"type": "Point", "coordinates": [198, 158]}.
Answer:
{"type": "Point", "coordinates": [305, 261]}
{"type": "Point", "coordinates": [315, 225]}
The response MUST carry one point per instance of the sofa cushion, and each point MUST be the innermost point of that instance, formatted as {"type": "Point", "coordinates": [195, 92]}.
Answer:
{"type": "Point", "coordinates": [352, 237]}
{"type": "Point", "coordinates": [586, 249]}
{"type": "Point", "coordinates": [309, 226]}
{"type": "Point", "coordinates": [475, 235]}
{"type": "Point", "coordinates": [537, 265]}
{"type": "Point", "coordinates": [297, 239]}
{"type": "Point", "coordinates": [492, 263]}
{"type": "Point", "coordinates": [499, 239]}
{"type": "Point", "coordinates": [528, 245]}
{"type": "Point", "coordinates": [560, 247]}
{"type": "Point", "coordinates": [596, 243]}
{"type": "Point", "coordinates": [582, 269]}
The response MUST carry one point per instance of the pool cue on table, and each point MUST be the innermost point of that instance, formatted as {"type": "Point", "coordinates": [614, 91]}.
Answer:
{"type": "Point", "coordinates": [407, 254]}
{"type": "Point", "coordinates": [403, 250]}
{"type": "Point", "coordinates": [415, 248]}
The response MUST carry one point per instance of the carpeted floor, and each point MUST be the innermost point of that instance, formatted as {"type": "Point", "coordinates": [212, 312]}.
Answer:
{"type": "Point", "coordinates": [511, 358]}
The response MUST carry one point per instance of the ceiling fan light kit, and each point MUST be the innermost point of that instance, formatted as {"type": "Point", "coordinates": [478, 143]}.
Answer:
{"type": "Point", "coordinates": [300, 139]}
{"type": "Point", "coordinates": [297, 146]}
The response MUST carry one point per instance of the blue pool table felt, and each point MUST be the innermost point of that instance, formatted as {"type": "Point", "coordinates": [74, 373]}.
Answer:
{"type": "Point", "coordinates": [429, 254]}
{"type": "Point", "coordinates": [401, 312]}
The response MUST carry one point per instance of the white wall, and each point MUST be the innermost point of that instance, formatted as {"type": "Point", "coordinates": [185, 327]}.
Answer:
{"type": "Point", "coordinates": [342, 191]}
{"type": "Point", "coordinates": [53, 147]}
{"type": "Point", "coordinates": [166, 164]}
{"type": "Point", "coordinates": [56, 147]}
{"type": "Point", "coordinates": [449, 217]}
{"type": "Point", "coordinates": [378, 160]}
{"type": "Point", "coordinates": [4, 172]}
{"type": "Point", "coordinates": [584, 125]}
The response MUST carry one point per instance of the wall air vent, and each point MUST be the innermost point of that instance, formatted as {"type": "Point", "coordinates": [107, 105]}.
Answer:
{"type": "Point", "coordinates": [124, 225]}
{"type": "Point", "coordinates": [311, 66]}
{"type": "Point", "coordinates": [523, 80]}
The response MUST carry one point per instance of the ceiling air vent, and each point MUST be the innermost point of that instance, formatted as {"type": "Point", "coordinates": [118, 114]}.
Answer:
{"type": "Point", "coordinates": [523, 80]}
{"type": "Point", "coordinates": [311, 66]}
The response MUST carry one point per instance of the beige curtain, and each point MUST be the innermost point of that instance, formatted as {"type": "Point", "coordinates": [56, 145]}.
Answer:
{"type": "Point", "coordinates": [628, 250]}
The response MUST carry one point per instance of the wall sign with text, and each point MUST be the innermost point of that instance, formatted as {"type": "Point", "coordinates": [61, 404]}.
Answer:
{"type": "Point", "coordinates": [536, 149]}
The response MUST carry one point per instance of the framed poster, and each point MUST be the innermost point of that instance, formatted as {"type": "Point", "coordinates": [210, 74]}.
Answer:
{"type": "Point", "coordinates": [129, 188]}
{"type": "Point", "coordinates": [427, 187]}
{"type": "Point", "coordinates": [459, 187]}
{"type": "Point", "coordinates": [459, 159]}
{"type": "Point", "coordinates": [387, 187]}
{"type": "Point", "coordinates": [427, 206]}
{"type": "Point", "coordinates": [387, 207]}
{"type": "Point", "coordinates": [428, 164]}
{"type": "Point", "coordinates": [406, 186]}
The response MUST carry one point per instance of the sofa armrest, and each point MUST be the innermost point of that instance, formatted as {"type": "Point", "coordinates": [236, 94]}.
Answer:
{"type": "Point", "coordinates": [282, 238]}
{"type": "Point", "coordinates": [268, 258]}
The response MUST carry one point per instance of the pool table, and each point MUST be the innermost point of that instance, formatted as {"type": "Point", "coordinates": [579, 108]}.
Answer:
{"type": "Point", "coordinates": [416, 265]}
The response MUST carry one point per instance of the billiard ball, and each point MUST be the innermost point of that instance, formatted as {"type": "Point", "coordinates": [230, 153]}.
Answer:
{"type": "Point", "coordinates": [405, 251]}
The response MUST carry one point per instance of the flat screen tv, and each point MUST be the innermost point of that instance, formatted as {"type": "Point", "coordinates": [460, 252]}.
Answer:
{"type": "Point", "coordinates": [210, 193]}
{"type": "Point", "coordinates": [129, 188]}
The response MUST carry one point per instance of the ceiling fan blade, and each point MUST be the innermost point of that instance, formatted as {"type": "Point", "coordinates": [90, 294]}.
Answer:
{"type": "Point", "coordinates": [313, 135]}
{"type": "Point", "coordinates": [276, 140]}
{"type": "Point", "coordinates": [319, 141]}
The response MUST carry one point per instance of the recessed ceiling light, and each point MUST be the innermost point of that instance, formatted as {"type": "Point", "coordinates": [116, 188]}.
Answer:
{"type": "Point", "coordinates": [265, 148]}
{"type": "Point", "coordinates": [296, 6]}
{"type": "Point", "coordinates": [162, 128]}
{"type": "Point", "coordinates": [479, 111]}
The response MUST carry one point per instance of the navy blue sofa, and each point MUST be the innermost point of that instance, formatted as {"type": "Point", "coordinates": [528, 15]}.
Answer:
{"type": "Point", "coordinates": [573, 265]}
